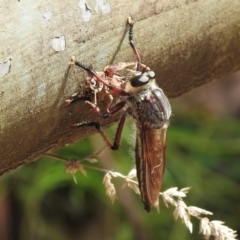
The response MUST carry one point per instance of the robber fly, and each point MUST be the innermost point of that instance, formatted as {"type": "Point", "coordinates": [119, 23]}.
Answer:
{"type": "Point", "coordinates": [140, 97]}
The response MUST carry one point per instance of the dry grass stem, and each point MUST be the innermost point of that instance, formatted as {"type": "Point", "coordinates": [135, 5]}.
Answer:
{"type": "Point", "coordinates": [196, 212]}
{"type": "Point", "coordinates": [217, 229]}
{"type": "Point", "coordinates": [207, 227]}
{"type": "Point", "coordinates": [110, 189]}
{"type": "Point", "coordinates": [73, 166]}
{"type": "Point", "coordinates": [173, 192]}
{"type": "Point", "coordinates": [130, 182]}
{"type": "Point", "coordinates": [181, 211]}
{"type": "Point", "coordinates": [172, 196]}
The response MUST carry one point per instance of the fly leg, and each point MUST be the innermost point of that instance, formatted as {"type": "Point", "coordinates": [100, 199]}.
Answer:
{"type": "Point", "coordinates": [76, 97]}
{"type": "Point", "coordinates": [140, 66]}
{"type": "Point", "coordinates": [109, 112]}
{"type": "Point", "coordinates": [110, 99]}
{"type": "Point", "coordinates": [118, 135]}
{"type": "Point", "coordinates": [131, 23]}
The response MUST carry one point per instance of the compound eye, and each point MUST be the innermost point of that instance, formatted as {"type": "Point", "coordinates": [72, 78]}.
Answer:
{"type": "Point", "coordinates": [142, 79]}
{"type": "Point", "coordinates": [139, 80]}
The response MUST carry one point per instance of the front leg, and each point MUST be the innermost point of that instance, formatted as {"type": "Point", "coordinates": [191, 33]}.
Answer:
{"type": "Point", "coordinates": [76, 97]}
{"type": "Point", "coordinates": [112, 111]}
{"type": "Point", "coordinates": [118, 135]}
{"type": "Point", "coordinates": [109, 112]}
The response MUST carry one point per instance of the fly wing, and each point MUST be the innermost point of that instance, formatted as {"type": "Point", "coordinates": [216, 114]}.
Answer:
{"type": "Point", "coordinates": [150, 161]}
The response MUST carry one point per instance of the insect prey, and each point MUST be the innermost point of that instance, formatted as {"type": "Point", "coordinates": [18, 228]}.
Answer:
{"type": "Point", "coordinates": [140, 97]}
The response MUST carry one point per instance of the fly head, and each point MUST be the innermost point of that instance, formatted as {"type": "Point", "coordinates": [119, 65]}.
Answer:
{"type": "Point", "coordinates": [142, 79]}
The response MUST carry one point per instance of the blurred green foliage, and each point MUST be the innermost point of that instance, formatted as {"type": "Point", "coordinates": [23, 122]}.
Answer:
{"type": "Point", "coordinates": [203, 152]}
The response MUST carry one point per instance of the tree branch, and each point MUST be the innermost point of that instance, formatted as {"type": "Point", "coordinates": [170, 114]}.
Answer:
{"type": "Point", "coordinates": [187, 44]}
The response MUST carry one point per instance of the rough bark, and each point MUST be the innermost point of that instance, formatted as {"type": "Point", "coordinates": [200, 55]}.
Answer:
{"type": "Point", "coordinates": [187, 43]}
